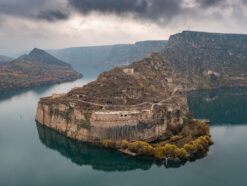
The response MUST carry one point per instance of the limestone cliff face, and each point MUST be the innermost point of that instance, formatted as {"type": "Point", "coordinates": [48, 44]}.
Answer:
{"type": "Point", "coordinates": [147, 124]}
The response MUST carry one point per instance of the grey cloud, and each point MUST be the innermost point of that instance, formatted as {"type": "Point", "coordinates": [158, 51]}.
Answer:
{"type": "Point", "coordinates": [34, 9]}
{"type": "Point", "coordinates": [53, 15]}
{"type": "Point", "coordinates": [210, 3]}
{"type": "Point", "coordinates": [160, 11]}
{"type": "Point", "coordinates": [157, 10]}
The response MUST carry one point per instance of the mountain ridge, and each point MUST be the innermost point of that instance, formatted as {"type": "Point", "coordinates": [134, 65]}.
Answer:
{"type": "Point", "coordinates": [108, 56]}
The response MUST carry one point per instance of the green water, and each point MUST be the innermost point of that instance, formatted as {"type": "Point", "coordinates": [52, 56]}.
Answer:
{"type": "Point", "coordinates": [31, 154]}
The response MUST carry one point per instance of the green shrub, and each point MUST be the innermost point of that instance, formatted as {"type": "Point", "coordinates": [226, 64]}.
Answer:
{"type": "Point", "coordinates": [171, 151]}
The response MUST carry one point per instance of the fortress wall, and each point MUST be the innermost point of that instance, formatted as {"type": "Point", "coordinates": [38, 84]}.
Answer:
{"type": "Point", "coordinates": [146, 125]}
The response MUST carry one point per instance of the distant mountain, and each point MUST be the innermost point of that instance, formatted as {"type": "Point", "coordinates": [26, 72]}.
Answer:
{"type": "Point", "coordinates": [5, 59]}
{"type": "Point", "coordinates": [34, 69]}
{"type": "Point", "coordinates": [107, 57]}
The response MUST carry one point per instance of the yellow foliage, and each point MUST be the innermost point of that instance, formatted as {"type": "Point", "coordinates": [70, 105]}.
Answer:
{"type": "Point", "coordinates": [205, 127]}
{"type": "Point", "coordinates": [171, 151]}
{"type": "Point", "coordinates": [201, 144]}
{"type": "Point", "coordinates": [108, 144]}
{"type": "Point", "coordinates": [124, 144]}
{"type": "Point", "coordinates": [159, 152]}
{"type": "Point", "coordinates": [190, 148]}
{"type": "Point", "coordinates": [181, 153]}
{"type": "Point", "coordinates": [141, 147]}
{"type": "Point", "coordinates": [210, 141]}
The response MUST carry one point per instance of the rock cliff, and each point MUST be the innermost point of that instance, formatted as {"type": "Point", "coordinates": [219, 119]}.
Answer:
{"type": "Point", "coordinates": [133, 103]}
{"type": "Point", "coordinates": [141, 101]}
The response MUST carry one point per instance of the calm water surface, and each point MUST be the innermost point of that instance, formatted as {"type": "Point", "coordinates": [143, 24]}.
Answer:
{"type": "Point", "coordinates": [31, 154]}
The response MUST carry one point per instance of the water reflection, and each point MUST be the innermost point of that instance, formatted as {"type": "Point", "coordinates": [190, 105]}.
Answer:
{"type": "Point", "coordinates": [11, 93]}
{"type": "Point", "coordinates": [98, 157]}
{"type": "Point", "coordinates": [221, 106]}
{"type": "Point", "coordinates": [86, 154]}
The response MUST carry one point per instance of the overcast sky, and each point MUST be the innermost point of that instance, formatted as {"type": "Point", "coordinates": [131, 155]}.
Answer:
{"type": "Point", "coordinates": [48, 24]}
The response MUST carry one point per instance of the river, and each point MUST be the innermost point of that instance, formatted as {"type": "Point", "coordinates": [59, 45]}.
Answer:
{"type": "Point", "coordinates": [31, 154]}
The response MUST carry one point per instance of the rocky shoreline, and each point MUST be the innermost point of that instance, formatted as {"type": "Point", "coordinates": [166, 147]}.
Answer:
{"type": "Point", "coordinates": [188, 142]}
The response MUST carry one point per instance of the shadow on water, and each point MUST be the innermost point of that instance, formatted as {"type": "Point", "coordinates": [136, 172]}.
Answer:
{"type": "Point", "coordinates": [39, 90]}
{"type": "Point", "coordinates": [220, 106]}
{"type": "Point", "coordinates": [11, 93]}
{"type": "Point", "coordinates": [97, 157]}
{"type": "Point", "coordinates": [86, 154]}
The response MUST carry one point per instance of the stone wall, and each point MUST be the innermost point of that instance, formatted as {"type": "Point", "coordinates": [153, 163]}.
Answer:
{"type": "Point", "coordinates": [132, 125]}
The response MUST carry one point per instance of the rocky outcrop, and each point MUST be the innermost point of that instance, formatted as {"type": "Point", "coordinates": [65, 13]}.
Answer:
{"type": "Point", "coordinates": [146, 123]}
{"type": "Point", "coordinates": [132, 103]}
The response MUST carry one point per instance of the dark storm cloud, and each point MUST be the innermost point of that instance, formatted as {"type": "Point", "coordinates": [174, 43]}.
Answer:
{"type": "Point", "coordinates": [145, 9]}
{"type": "Point", "coordinates": [34, 9]}
{"type": "Point", "coordinates": [158, 11]}
{"type": "Point", "coordinates": [210, 3]}
{"type": "Point", "coordinates": [53, 15]}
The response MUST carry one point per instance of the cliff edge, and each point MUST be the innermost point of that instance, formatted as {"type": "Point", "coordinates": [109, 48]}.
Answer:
{"type": "Point", "coordinates": [137, 102]}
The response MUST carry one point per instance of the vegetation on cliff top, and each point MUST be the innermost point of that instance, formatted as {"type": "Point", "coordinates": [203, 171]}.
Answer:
{"type": "Point", "coordinates": [178, 145]}
{"type": "Point", "coordinates": [209, 60]}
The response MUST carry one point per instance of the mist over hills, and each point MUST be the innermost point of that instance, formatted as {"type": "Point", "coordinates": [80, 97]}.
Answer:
{"type": "Point", "coordinates": [109, 56]}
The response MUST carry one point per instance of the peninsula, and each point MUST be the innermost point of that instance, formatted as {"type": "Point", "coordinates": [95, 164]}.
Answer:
{"type": "Point", "coordinates": [142, 109]}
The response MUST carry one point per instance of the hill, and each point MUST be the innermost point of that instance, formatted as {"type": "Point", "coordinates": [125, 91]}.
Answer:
{"type": "Point", "coordinates": [34, 69]}
{"type": "Point", "coordinates": [5, 59]}
{"type": "Point", "coordinates": [107, 56]}
{"type": "Point", "coordinates": [207, 60]}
